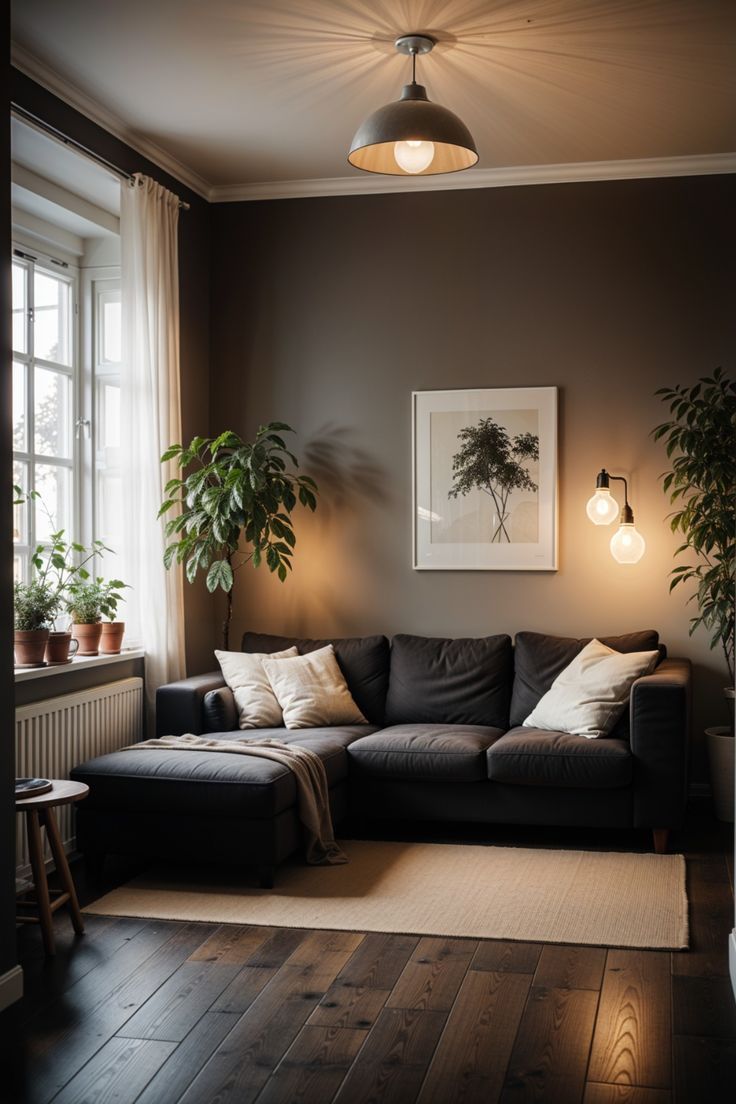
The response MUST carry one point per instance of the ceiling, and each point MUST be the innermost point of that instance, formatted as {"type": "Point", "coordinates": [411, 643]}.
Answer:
{"type": "Point", "coordinates": [242, 92]}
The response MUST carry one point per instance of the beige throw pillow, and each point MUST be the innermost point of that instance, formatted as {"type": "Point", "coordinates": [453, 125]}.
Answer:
{"type": "Point", "coordinates": [312, 691]}
{"type": "Point", "coordinates": [255, 700]}
{"type": "Point", "coordinates": [588, 697]}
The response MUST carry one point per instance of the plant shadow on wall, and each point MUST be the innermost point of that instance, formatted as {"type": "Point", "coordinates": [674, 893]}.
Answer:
{"type": "Point", "coordinates": [493, 462]}
{"type": "Point", "coordinates": [353, 488]}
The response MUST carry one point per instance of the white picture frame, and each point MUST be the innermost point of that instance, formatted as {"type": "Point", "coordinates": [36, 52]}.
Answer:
{"type": "Point", "coordinates": [484, 479]}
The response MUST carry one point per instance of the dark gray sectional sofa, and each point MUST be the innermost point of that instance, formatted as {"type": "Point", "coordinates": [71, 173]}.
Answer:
{"type": "Point", "coordinates": [444, 742]}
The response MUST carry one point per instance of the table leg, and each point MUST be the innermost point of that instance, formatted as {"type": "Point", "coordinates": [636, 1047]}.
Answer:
{"type": "Point", "coordinates": [62, 868]}
{"type": "Point", "coordinates": [41, 885]}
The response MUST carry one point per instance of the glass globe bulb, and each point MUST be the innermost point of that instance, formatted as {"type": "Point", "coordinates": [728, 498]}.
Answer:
{"type": "Point", "coordinates": [414, 156]}
{"type": "Point", "coordinates": [602, 508]}
{"type": "Point", "coordinates": [627, 544]}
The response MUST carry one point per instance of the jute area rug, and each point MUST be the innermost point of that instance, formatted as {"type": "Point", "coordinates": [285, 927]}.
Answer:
{"type": "Point", "coordinates": [598, 898]}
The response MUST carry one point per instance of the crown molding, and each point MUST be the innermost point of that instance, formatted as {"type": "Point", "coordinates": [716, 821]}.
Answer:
{"type": "Point", "coordinates": [365, 183]}
{"type": "Point", "coordinates": [42, 74]}
{"type": "Point", "coordinates": [514, 176]}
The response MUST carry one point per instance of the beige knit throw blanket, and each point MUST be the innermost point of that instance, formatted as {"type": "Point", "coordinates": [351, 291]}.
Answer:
{"type": "Point", "coordinates": [311, 784]}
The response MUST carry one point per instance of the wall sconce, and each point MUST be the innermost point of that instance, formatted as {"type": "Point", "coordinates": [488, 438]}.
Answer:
{"type": "Point", "coordinates": [627, 544]}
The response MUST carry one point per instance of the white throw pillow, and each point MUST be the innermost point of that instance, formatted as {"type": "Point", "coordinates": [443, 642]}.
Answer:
{"type": "Point", "coordinates": [312, 691]}
{"type": "Point", "coordinates": [588, 697]}
{"type": "Point", "coordinates": [255, 700]}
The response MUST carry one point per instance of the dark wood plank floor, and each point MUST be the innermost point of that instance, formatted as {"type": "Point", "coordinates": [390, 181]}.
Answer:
{"type": "Point", "coordinates": [161, 1012]}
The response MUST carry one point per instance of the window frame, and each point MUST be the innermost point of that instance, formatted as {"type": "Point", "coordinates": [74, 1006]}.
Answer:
{"type": "Point", "coordinates": [96, 281]}
{"type": "Point", "coordinates": [68, 273]}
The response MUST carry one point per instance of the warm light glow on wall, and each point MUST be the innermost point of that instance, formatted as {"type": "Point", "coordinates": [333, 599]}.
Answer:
{"type": "Point", "coordinates": [627, 544]}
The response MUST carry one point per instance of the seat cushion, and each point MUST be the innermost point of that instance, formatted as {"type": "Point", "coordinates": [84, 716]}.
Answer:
{"type": "Point", "coordinates": [214, 783]}
{"type": "Point", "coordinates": [363, 661]}
{"type": "Point", "coordinates": [540, 658]}
{"type": "Point", "coordinates": [533, 757]}
{"type": "Point", "coordinates": [425, 752]}
{"type": "Point", "coordinates": [450, 682]}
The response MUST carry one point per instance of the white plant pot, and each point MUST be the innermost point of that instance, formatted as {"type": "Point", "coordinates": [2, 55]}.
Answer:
{"type": "Point", "coordinates": [721, 757]}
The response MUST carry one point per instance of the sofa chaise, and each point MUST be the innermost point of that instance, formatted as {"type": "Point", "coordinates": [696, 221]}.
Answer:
{"type": "Point", "coordinates": [444, 741]}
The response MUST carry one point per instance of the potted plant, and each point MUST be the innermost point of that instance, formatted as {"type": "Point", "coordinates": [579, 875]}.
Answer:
{"type": "Point", "coordinates": [234, 494]}
{"type": "Point", "coordinates": [35, 607]}
{"type": "Point", "coordinates": [55, 568]}
{"type": "Point", "coordinates": [87, 602]}
{"type": "Point", "coordinates": [701, 445]}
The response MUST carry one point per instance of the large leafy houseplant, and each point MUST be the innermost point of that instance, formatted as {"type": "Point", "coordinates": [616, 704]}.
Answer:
{"type": "Point", "coordinates": [234, 501]}
{"type": "Point", "coordinates": [701, 444]}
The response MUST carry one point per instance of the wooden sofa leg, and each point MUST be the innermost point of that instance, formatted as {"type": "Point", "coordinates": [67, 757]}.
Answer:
{"type": "Point", "coordinates": [661, 840]}
{"type": "Point", "coordinates": [266, 876]}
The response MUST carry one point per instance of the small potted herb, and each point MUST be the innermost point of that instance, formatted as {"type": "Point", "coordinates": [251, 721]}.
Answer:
{"type": "Point", "coordinates": [38, 602]}
{"type": "Point", "coordinates": [35, 607]}
{"type": "Point", "coordinates": [88, 602]}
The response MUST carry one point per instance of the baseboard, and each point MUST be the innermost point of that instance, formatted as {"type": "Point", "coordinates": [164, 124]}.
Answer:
{"type": "Point", "coordinates": [732, 959]}
{"type": "Point", "coordinates": [11, 987]}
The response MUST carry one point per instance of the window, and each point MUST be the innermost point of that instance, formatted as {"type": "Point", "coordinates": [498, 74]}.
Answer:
{"type": "Point", "coordinates": [45, 376]}
{"type": "Point", "coordinates": [66, 403]}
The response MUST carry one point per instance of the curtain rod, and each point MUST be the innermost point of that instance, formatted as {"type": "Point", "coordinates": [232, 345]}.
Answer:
{"type": "Point", "coordinates": [41, 124]}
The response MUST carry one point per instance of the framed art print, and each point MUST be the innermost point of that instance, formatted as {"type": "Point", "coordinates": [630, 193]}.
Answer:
{"type": "Point", "coordinates": [485, 479]}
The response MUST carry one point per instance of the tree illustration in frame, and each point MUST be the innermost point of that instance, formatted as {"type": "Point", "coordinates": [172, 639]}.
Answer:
{"type": "Point", "coordinates": [495, 463]}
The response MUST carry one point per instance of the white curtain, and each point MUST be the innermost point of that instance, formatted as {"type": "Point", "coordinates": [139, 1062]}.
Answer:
{"type": "Point", "coordinates": [151, 421]}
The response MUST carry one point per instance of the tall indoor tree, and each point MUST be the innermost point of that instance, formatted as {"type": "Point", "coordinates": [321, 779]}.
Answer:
{"type": "Point", "coordinates": [233, 504]}
{"type": "Point", "coordinates": [701, 444]}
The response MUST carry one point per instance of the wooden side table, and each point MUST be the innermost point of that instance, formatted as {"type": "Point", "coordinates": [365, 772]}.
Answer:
{"type": "Point", "coordinates": [40, 811]}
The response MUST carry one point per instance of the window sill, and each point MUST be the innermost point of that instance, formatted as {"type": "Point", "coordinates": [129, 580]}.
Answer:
{"type": "Point", "coordinates": [79, 663]}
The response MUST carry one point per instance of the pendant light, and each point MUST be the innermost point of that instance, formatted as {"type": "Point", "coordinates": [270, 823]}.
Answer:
{"type": "Point", "coordinates": [413, 137]}
{"type": "Point", "coordinates": [627, 544]}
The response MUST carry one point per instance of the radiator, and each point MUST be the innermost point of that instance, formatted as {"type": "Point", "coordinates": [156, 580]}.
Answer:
{"type": "Point", "coordinates": [56, 734]}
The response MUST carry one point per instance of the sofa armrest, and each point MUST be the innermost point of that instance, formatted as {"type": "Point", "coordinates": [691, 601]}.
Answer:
{"type": "Point", "coordinates": [179, 704]}
{"type": "Point", "coordinates": [660, 736]}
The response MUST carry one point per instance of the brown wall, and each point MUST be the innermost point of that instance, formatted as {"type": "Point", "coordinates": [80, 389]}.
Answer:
{"type": "Point", "coordinates": [327, 313]}
{"type": "Point", "coordinates": [194, 254]}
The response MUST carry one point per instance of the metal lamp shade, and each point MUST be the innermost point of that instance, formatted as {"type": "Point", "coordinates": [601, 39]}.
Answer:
{"type": "Point", "coordinates": [412, 118]}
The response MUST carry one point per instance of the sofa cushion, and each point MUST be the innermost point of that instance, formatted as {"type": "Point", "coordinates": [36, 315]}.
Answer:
{"type": "Point", "coordinates": [311, 690]}
{"type": "Point", "coordinates": [533, 757]}
{"type": "Point", "coordinates": [591, 693]}
{"type": "Point", "coordinates": [539, 659]}
{"type": "Point", "coordinates": [425, 752]}
{"type": "Point", "coordinates": [210, 783]}
{"type": "Point", "coordinates": [363, 661]}
{"type": "Point", "coordinates": [450, 682]}
{"type": "Point", "coordinates": [219, 711]}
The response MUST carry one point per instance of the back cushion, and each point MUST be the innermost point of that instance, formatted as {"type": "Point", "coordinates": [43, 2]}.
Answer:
{"type": "Point", "coordinates": [538, 660]}
{"type": "Point", "coordinates": [363, 661]}
{"type": "Point", "coordinates": [436, 681]}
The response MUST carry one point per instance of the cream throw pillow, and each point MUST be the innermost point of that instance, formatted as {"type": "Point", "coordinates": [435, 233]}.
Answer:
{"type": "Point", "coordinates": [255, 700]}
{"type": "Point", "coordinates": [312, 691]}
{"type": "Point", "coordinates": [588, 697]}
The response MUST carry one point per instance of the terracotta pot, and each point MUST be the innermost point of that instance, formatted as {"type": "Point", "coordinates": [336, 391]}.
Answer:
{"type": "Point", "coordinates": [30, 645]}
{"type": "Point", "coordinates": [88, 637]}
{"type": "Point", "coordinates": [112, 637]}
{"type": "Point", "coordinates": [60, 647]}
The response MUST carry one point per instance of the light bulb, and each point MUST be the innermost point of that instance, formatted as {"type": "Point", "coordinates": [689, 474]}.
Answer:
{"type": "Point", "coordinates": [627, 544]}
{"type": "Point", "coordinates": [414, 156]}
{"type": "Point", "coordinates": [602, 508]}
